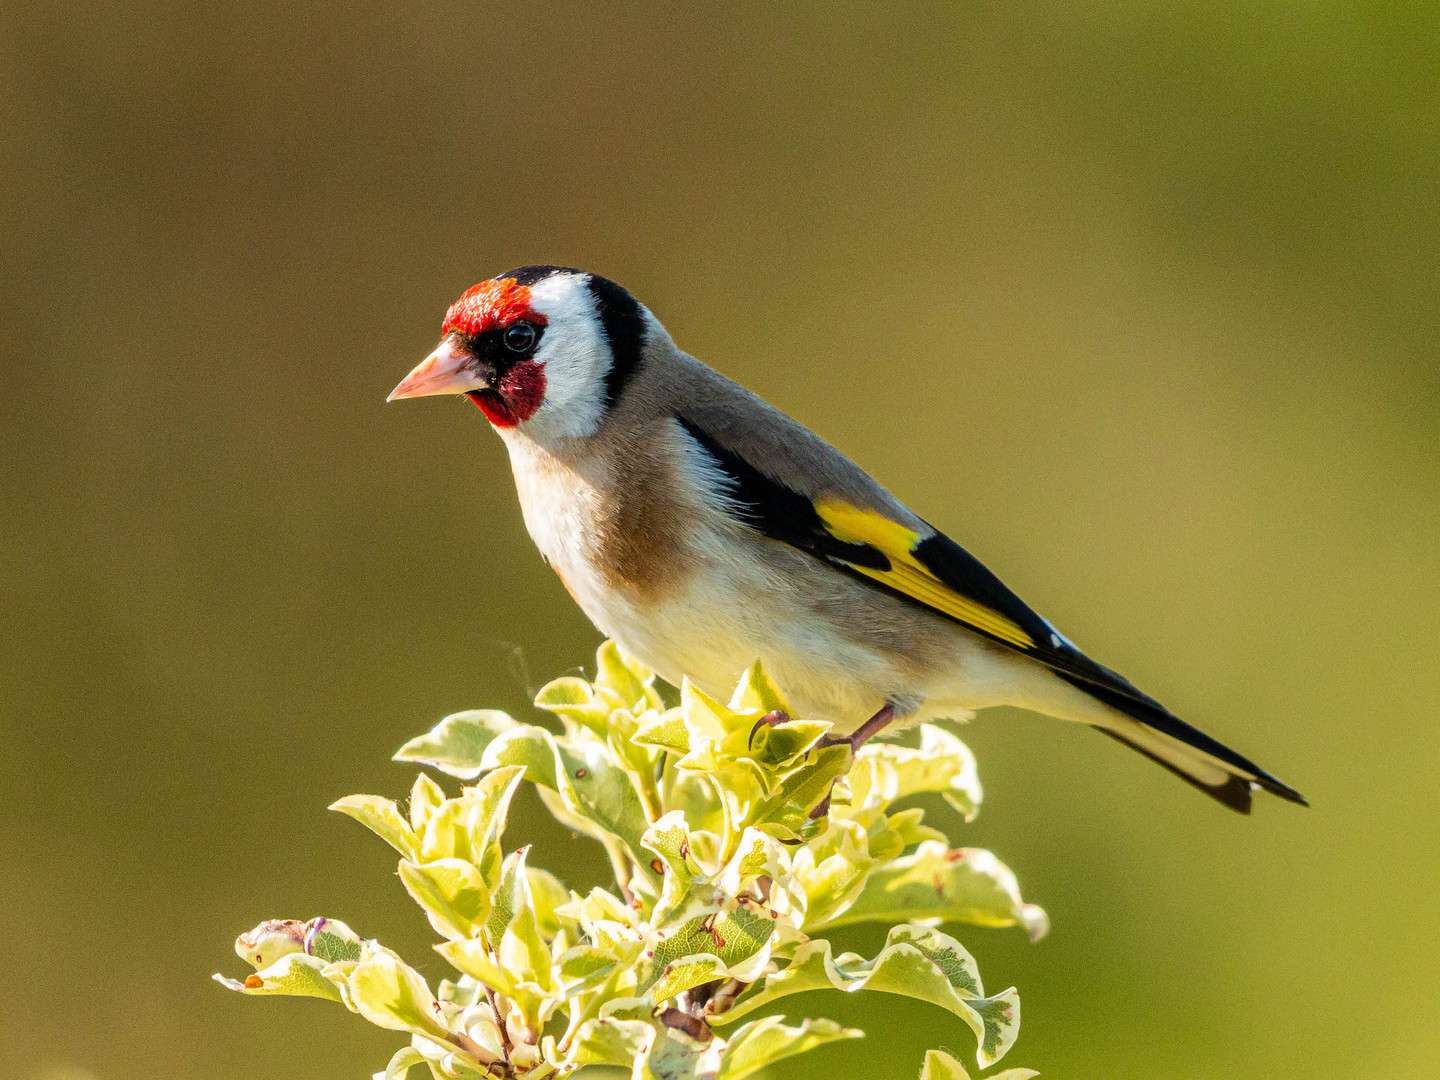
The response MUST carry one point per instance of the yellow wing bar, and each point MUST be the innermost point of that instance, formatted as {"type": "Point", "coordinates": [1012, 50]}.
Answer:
{"type": "Point", "coordinates": [907, 574]}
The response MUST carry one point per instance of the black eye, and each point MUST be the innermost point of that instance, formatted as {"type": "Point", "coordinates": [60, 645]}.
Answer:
{"type": "Point", "coordinates": [520, 337]}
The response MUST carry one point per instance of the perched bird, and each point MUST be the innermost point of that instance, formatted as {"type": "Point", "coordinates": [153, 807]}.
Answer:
{"type": "Point", "coordinates": [702, 528]}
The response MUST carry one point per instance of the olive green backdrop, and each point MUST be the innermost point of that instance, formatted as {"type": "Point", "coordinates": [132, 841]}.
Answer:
{"type": "Point", "coordinates": [1138, 301]}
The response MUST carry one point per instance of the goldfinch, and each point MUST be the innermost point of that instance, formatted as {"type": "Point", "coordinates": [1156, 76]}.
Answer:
{"type": "Point", "coordinates": [701, 528]}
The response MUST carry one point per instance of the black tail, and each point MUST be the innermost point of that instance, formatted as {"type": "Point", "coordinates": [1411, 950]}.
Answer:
{"type": "Point", "coordinates": [1186, 751]}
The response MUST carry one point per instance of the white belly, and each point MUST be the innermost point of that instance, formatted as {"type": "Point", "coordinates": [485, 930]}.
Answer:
{"type": "Point", "coordinates": [834, 657]}
{"type": "Point", "coordinates": [716, 622]}
{"type": "Point", "coordinates": [728, 616]}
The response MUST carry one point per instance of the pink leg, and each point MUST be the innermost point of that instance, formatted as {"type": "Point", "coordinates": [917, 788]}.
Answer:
{"type": "Point", "coordinates": [866, 731]}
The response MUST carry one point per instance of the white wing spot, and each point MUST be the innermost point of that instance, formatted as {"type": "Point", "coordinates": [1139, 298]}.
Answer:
{"type": "Point", "coordinates": [1057, 639]}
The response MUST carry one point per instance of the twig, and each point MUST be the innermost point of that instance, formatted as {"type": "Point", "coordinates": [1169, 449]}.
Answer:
{"type": "Point", "coordinates": [494, 1001]}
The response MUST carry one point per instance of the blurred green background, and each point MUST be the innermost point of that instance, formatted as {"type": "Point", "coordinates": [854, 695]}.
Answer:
{"type": "Point", "coordinates": [1139, 301]}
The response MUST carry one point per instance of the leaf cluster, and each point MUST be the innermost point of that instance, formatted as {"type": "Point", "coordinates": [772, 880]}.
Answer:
{"type": "Point", "coordinates": [738, 837]}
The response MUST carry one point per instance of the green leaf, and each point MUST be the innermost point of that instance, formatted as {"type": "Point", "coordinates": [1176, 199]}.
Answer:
{"type": "Point", "coordinates": [755, 1045]}
{"type": "Point", "coordinates": [486, 832]}
{"type": "Point", "coordinates": [464, 991]}
{"type": "Point", "coordinates": [757, 693]}
{"type": "Point", "coordinates": [621, 728]}
{"type": "Point", "coordinates": [737, 937]}
{"type": "Point", "coordinates": [803, 790]}
{"type": "Point", "coordinates": [756, 855]}
{"type": "Point", "coordinates": [271, 940]}
{"type": "Point", "coordinates": [669, 838]}
{"type": "Point", "coordinates": [832, 870]}
{"type": "Point", "coordinates": [684, 973]}
{"type": "Point", "coordinates": [926, 964]}
{"type": "Point", "coordinates": [606, 925]}
{"type": "Point", "coordinates": [777, 748]}
{"type": "Point", "coordinates": [968, 885]}
{"type": "Point", "coordinates": [707, 720]}
{"type": "Point", "coordinates": [885, 772]}
{"type": "Point", "coordinates": [457, 744]}
{"type": "Point", "coordinates": [568, 692]}
{"type": "Point", "coordinates": [583, 968]}
{"type": "Point", "coordinates": [513, 927]}
{"type": "Point", "coordinates": [452, 892]}
{"type": "Point", "coordinates": [332, 941]}
{"type": "Point", "coordinates": [631, 682]}
{"type": "Point", "coordinates": [941, 1066]}
{"type": "Point", "coordinates": [595, 788]}
{"type": "Point", "coordinates": [548, 893]}
{"type": "Point", "coordinates": [664, 731]}
{"type": "Point", "coordinates": [906, 826]}
{"type": "Point", "coordinates": [401, 1064]}
{"type": "Point", "coordinates": [608, 1041]}
{"type": "Point", "coordinates": [1000, 1023]}
{"type": "Point", "coordinates": [728, 740]}
{"type": "Point", "coordinates": [1013, 1074]}
{"type": "Point", "coordinates": [598, 905]}
{"type": "Point", "coordinates": [425, 798]}
{"type": "Point", "coordinates": [696, 796]}
{"type": "Point", "coordinates": [951, 958]}
{"type": "Point", "coordinates": [329, 939]}
{"type": "Point", "coordinates": [917, 962]}
{"type": "Point", "coordinates": [527, 745]}
{"type": "Point", "coordinates": [674, 1056]}
{"type": "Point", "coordinates": [741, 798]}
{"type": "Point", "coordinates": [470, 827]}
{"type": "Point", "coordinates": [507, 978]}
{"type": "Point", "coordinates": [575, 699]}
{"type": "Point", "coordinates": [391, 994]}
{"type": "Point", "coordinates": [293, 975]}
{"type": "Point", "coordinates": [475, 958]}
{"type": "Point", "coordinates": [382, 818]}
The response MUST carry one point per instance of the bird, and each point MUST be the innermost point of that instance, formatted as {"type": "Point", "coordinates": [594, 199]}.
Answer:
{"type": "Point", "coordinates": [702, 528]}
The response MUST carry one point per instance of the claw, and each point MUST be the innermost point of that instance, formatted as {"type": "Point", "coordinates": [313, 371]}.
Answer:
{"type": "Point", "coordinates": [770, 719]}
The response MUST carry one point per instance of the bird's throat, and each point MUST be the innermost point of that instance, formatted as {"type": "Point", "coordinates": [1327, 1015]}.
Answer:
{"type": "Point", "coordinates": [516, 396]}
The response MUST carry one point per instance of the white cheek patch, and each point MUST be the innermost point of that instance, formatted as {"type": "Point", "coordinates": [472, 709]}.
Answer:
{"type": "Point", "coordinates": [576, 357]}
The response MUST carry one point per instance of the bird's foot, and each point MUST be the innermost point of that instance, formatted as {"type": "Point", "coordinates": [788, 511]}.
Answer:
{"type": "Point", "coordinates": [865, 732]}
{"type": "Point", "coordinates": [855, 740]}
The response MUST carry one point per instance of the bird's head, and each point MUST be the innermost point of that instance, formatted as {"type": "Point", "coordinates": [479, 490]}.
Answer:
{"type": "Point", "coordinates": [545, 349]}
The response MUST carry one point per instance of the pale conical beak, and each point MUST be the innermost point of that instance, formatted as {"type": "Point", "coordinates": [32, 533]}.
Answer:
{"type": "Point", "coordinates": [447, 370]}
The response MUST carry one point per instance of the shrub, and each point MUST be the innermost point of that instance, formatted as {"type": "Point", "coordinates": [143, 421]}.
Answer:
{"type": "Point", "coordinates": [736, 845]}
